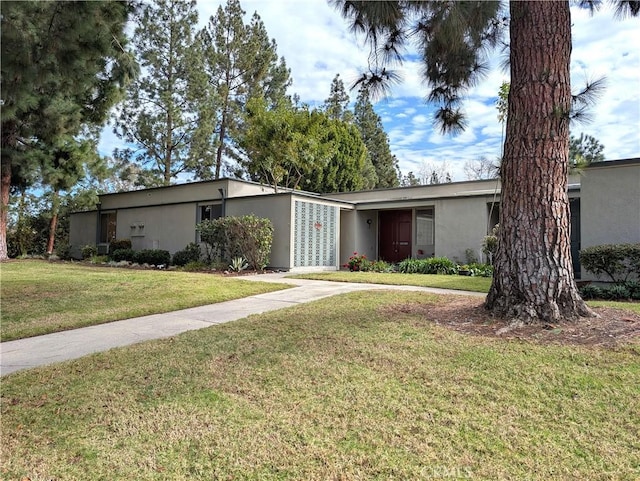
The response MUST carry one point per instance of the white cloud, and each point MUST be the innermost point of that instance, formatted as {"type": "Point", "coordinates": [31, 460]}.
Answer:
{"type": "Point", "coordinates": [110, 141]}
{"type": "Point", "coordinates": [419, 120]}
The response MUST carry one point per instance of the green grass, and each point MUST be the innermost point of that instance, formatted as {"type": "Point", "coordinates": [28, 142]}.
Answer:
{"type": "Point", "coordinates": [343, 388]}
{"type": "Point", "coordinates": [463, 283]}
{"type": "Point", "coordinates": [39, 297]}
{"type": "Point", "coordinates": [631, 306]}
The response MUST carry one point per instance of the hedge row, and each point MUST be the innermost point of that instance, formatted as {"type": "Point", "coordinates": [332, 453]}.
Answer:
{"type": "Point", "coordinates": [620, 262]}
{"type": "Point", "coordinates": [155, 257]}
{"type": "Point", "coordinates": [617, 292]}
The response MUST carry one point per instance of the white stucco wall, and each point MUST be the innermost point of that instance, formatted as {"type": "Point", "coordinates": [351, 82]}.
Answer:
{"type": "Point", "coordinates": [347, 235]}
{"type": "Point", "coordinates": [169, 227]}
{"type": "Point", "coordinates": [610, 205]}
{"type": "Point", "coordinates": [363, 237]}
{"type": "Point", "coordinates": [186, 193]}
{"type": "Point", "coordinates": [478, 187]}
{"type": "Point", "coordinates": [460, 224]}
{"type": "Point", "coordinates": [367, 234]}
{"type": "Point", "coordinates": [356, 235]}
{"type": "Point", "coordinates": [242, 189]}
{"type": "Point", "coordinates": [276, 208]}
{"type": "Point", "coordinates": [82, 231]}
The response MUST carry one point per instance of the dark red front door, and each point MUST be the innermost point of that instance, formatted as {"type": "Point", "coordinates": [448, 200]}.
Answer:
{"type": "Point", "coordinates": [394, 235]}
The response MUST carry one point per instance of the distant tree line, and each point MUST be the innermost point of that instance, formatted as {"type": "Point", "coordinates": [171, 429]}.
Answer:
{"type": "Point", "coordinates": [190, 104]}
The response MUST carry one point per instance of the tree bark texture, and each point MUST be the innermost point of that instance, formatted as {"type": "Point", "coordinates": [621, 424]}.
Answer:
{"type": "Point", "coordinates": [533, 278]}
{"type": "Point", "coordinates": [9, 142]}
{"type": "Point", "coordinates": [5, 181]}
{"type": "Point", "coordinates": [53, 223]}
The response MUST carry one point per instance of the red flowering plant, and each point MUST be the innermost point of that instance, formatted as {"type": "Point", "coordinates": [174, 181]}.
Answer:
{"type": "Point", "coordinates": [357, 262]}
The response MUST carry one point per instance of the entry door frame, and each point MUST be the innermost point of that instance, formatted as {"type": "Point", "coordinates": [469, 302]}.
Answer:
{"type": "Point", "coordinates": [395, 234]}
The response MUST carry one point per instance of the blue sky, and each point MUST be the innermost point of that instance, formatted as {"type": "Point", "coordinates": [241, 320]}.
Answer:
{"type": "Point", "coordinates": [317, 45]}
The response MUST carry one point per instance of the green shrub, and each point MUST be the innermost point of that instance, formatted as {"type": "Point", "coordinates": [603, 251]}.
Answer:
{"type": "Point", "coordinates": [63, 250]}
{"type": "Point", "coordinates": [432, 265]}
{"type": "Point", "coordinates": [381, 266]}
{"type": "Point", "coordinates": [123, 255]}
{"type": "Point", "coordinates": [191, 253]}
{"type": "Point", "coordinates": [616, 293]}
{"type": "Point", "coordinates": [480, 269]}
{"type": "Point", "coordinates": [618, 261]}
{"type": "Point", "coordinates": [119, 244]}
{"type": "Point", "coordinates": [410, 266]}
{"type": "Point", "coordinates": [441, 265]}
{"type": "Point", "coordinates": [89, 251]}
{"type": "Point", "coordinates": [248, 236]}
{"type": "Point", "coordinates": [155, 257]}
{"type": "Point", "coordinates": [634, 289]}
{"type": "Point", "coordinates": [591, 292]}
{"type": "Point", "coordinates": [195, 266]}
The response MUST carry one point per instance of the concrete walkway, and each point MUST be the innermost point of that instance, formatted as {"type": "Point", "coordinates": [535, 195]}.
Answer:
{"type": "Point", "coordinates": [66, 345]}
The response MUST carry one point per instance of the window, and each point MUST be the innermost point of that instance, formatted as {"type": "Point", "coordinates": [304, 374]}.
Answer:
{"type": "Point", "coordinates": [424, 227]}
{"type": "Point", "coordinates": [493, 215]}
{"type": "Point", "coordinates": [107, 227]}
{"type": "Point", "coordinates": [209, 212]}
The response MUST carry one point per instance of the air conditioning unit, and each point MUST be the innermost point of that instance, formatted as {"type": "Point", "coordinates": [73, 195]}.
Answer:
{"type": "Point", "coordinates": [103, 249]}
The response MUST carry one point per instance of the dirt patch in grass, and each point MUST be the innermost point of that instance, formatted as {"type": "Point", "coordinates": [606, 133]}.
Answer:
{"type": "Point", "coordinates": [613, 328]}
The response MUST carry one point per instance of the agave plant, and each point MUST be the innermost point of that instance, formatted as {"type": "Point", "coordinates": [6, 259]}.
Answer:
{"type": "Point", "coordinates": [238, 264]}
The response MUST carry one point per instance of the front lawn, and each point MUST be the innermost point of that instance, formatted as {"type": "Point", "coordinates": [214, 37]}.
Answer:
{"type": "Point", "coordinates": [352, 387]}
{"type": "Point", "coordinates": [40, 297]}
{"type": "Point", "coordinates": [462, 283]}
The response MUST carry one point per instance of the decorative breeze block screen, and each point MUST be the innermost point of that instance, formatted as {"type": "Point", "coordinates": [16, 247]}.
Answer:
{"type": "Point", "coordinates": [314, 235]}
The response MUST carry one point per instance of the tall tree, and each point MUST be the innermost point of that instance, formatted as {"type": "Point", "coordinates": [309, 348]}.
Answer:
{"type": "Point", "coordinates": [240, 62]}
{"type": "Point", "coordinates": [299, 148]}
{"type": "Point", "coordinates": [533, 276]}
{"type": "Point", "coordinates": [70, 159]}
{"type": "Point", "coordinates": [481, 168]}
{"type": "Point", "coordinates": [336, 107]}
{"type": "Point", "coordinates": [337, 104]}
{"type": "Point", "coordinates": [585, 150]}
{"type": "Point", "coordinates": [376, 139]}
{"type": "Point", "coordinates": [409, 180]}
{"type": "Point", "coordinates": [21, 231]}
{"type": "Point", "coordinates": [431, 173]}
{"type": "Point", "coordinates": [64, 64]}
{"type": "Point", "coordinates": [534, 273]}
{"type": "Point", "coordinates": [158, 116]}
{"type": "Point", "coordinates": [271, 141]}
{"type": "Point", "coordinates": [344, 168]}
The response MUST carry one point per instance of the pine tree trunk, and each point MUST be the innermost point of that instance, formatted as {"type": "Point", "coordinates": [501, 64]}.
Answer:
{"type": "Point", "coordinates": [166, 176]}
{"type": "Point", "coordinates": [533, 278]}
{"type": "Point", "coordinates": [53, 223]}
{"type": "Point", "coordinates": [5, 186]}
{"type": "Point", "coordinates": [9, 141]}
{"type": "Point", "coordinates": [221, 137]}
